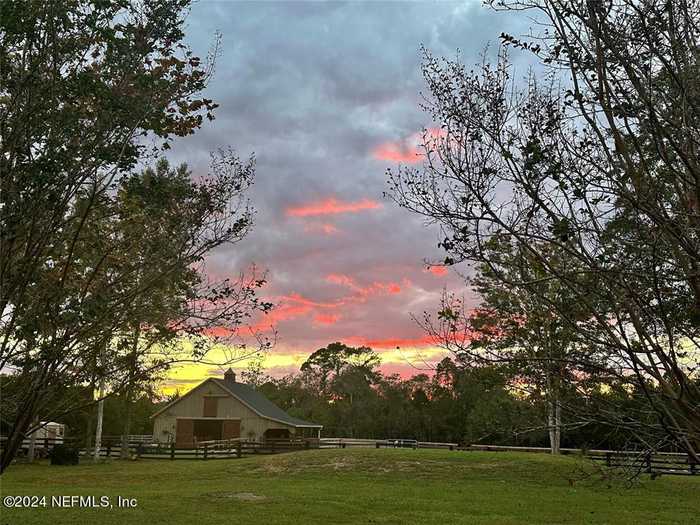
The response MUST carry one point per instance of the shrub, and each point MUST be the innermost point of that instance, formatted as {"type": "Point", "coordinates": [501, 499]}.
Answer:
{"type": "Point", "coordinates": [64, 455]}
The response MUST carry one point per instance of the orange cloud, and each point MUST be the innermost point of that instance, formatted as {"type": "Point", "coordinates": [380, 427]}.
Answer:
{"type": "Point", "coordinates": [395, 152]}
{"type": "Point", "coordinates": [439, 271]}
{"type": "Point", "coordinates": [365, 291]}
{"type": "Point", "coordinates": [326, 318]}
{"type": "Point", "coordinates": [393, 288]}
{"type": "Point", "coordinates": [337, 278]}
{"type": "Point", "coordinates": [318, 227]}
{"type": "Point", "coordinates": [408, 150]}
{"type": "Point", "coordinates": [289, 307]}
{"type": "Point", "coordinates": [392, 342]}
{"type": "Point", "coordinates": [332, 206]}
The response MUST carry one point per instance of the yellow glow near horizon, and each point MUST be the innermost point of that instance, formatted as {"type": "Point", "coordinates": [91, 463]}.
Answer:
{"type": "Point", "coordinates": [279, 361]}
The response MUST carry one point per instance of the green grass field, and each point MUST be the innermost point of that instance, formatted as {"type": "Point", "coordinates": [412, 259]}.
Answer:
{"type": "Point", "coordinates": [353, 486]}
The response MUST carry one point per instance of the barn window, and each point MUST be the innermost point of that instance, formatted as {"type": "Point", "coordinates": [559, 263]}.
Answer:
{"type": "Point", "coordinates": [211, 406]}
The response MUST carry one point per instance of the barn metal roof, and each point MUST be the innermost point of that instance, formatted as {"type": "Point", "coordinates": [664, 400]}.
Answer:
{"type": "Point", "coordinates": [260, 404]}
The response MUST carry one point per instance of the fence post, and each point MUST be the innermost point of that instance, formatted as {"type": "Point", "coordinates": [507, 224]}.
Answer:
{"type": "Point", "coordinates": [648, 462]}
{"type": "Point", "coordinates": [239, 449]}
{"type": "Point", "coordinates": [139, 450]}
{"type": "Point", "coordinates": [172, 450]}
{"type": "Point", "coordinates": [452, 447]}
{"type": "Point", "coordinates": [693, 465]}
{"type": "Point", "coordinates": [109, 449]}
{"type": "Point", "coordinates": [608, 459]}
{"type": "Point", "coordinates": [206, 451]}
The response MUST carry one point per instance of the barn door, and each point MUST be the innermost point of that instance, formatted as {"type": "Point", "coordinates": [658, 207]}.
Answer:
{"type": "Point", "coordinates": [211, 406]}
{"type": "Point", "coordinates": [232, 428]}
{"type": "Point", "coordinates": [184, 433]}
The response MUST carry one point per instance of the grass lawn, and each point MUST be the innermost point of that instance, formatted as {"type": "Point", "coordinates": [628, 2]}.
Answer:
{"type": "Point", "coordinates": [352, 486]}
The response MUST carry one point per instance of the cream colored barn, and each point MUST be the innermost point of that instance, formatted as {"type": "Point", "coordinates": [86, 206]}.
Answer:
{"type": "Point", "coordinates": [224, 409]}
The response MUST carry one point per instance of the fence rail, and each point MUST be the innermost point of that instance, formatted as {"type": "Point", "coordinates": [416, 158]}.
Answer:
{"type": "Point", "coordinates": [131, 438]}
{"type": "Point", "coordinates": [653, 463]}
{"type": "Point", "coordinates": [219, 449]}
{"type": "Point", "coordinates": [676, 463]}
{"type": "Point", "coordinates": [382, 443]}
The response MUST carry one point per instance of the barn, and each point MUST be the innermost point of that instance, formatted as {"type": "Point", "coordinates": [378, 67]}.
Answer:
{"type": "Point", "coordinates": [224, 409]}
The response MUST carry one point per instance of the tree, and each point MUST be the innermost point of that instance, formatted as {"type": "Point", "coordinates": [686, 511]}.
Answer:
{"type": "Point", "coordinates": [331, 361]}
{"type": "Point", "coordinates": [345, 376]}
{"type": "Point", "coordinates": [82, 270]}
{"type": "Point", "coordinates": [596, 164]}
{"type": "Point", "coordinates": [514, 329]}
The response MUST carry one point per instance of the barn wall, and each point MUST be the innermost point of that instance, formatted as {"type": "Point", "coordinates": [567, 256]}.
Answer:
{"type": "Point", "coordinates": [252, 425]}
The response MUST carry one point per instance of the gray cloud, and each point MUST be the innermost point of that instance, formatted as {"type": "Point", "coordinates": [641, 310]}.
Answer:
{"type": "Point", "coordinates": [312, 88]}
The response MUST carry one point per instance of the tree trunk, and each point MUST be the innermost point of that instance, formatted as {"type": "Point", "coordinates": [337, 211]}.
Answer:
{"type": "Point", "coordinates": [100, 406]}
{"type": "Point", "coordinates": [32, 445]}
{"type": "Point", "coordinates": [89, 430]}
{"type": "Point", "coordinates": [90, 410]}
{"type": "Point", "coordinates": [129, 394]}
{"type": "Point", "coordinates": [124, 449]}
{"type": "Point", "coordinates": [556, 449]}
{"type": "Point", "coordinates": [554, 421]}
{"type": "Point", "coordinates": [98, 431]}
{"type": "Point", "coordinates": [22, 422]}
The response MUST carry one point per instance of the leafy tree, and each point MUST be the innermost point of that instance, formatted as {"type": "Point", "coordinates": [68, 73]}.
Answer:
{"type": "Point", "coordinates": [345, 376]}
{"type": "Point", "coordinates": [515, 328]}
{"type": "Point", "coordinates": [330, 362]}
{"type": "Point", "coordinates": [591, 172]}
{"type": "Point", "coordinates": [86, 279]}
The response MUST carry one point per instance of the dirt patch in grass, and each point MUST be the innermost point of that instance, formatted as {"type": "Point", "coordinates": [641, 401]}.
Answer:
{"type": "Point", "coordinates": [248, 496]}
{"type": "Point", "coordinates": [240, 496]}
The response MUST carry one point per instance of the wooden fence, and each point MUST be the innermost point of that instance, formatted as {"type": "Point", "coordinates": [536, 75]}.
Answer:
{"type": "Point", "coordinates": [652, 463]}
{"type": "Point", "coordinates": [676, 463]}
{"type": "Point", "coordinates": [220, 449]}
{"type": "Point", "coordinates": [648, 462]}
{"type": "Point", "coordinates": [131, 438]}
{"type": "Point", "coordinates": [42, 446]}
{"type": "Point", "coordinates": [382, 443]}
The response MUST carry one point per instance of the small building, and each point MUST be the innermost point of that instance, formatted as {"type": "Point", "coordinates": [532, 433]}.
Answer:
{"type": "Point", "coordinates": [225, 409]}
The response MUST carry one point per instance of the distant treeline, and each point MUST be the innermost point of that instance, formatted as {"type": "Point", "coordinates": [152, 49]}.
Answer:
{"type": "Point", "coordinates": [343, 389]}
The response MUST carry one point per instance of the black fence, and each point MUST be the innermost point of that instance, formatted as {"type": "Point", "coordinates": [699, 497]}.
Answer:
{"type": "Point", "coordinates": [675, 463]}
{"type": "Point", "coordinates": [644, 462]}
{"type": "Point", "coordinates": [221, 449]}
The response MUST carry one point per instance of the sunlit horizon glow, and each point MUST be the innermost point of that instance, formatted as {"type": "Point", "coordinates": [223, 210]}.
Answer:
{"type": "Point", "coordinates": [281, 361]}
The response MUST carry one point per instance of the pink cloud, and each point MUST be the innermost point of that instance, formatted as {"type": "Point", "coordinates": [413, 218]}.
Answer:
{"type": "Point", "coordinates": [385, 343]}
{"type": "Point", "coordinates": [397, 152]}
{"type": "Point", "coordinates": [365, 291]}
{"type": "Point", "coordinates": [332, 206]}
{"type": "Point", "coordinates": [325, 228]}
{"type": "Point", "coordinates": [439, 271]}
{"type": "Point", "coordinates": [410, 149]}
{"type": "Point", "coordinates": [326, 319]}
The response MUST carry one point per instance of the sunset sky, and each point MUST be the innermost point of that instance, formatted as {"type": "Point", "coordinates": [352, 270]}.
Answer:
{"type": "Point", "coordinates": [326, 95]}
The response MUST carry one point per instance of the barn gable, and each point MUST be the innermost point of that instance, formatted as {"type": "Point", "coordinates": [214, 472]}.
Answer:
{"type": "Point", "coordinates": [223, 409]}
